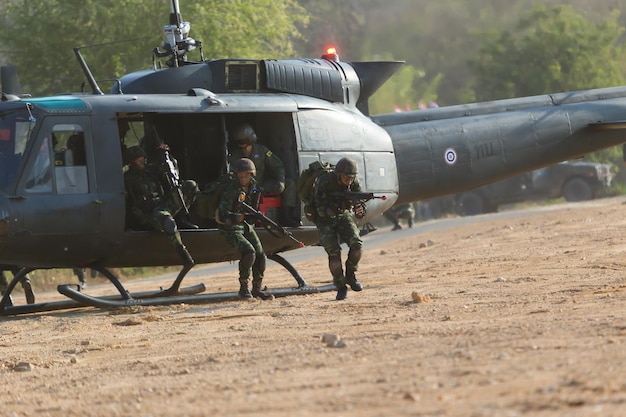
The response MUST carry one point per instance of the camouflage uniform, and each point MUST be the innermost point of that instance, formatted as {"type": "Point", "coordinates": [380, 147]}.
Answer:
{"type": "Point", "coordinates": [150, 208]}
{"type": "Point", "coordinates": [80, 274]}
{"type": "Point", "coordinates": [335, 222]}
{"type": "Point", "coordinates": [240, 234]}
{"type": "Point", "coordinates": [25, 281]}
{"type": "Point", "coordinates": [270, 171]}
{"type": "Point", "coordinates": [402, 211]}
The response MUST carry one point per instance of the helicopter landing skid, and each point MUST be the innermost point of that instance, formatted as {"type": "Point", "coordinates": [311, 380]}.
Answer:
{"type": "Point", "coordinates": [98, 302]}
{"type": "Point", "coordinates": [172, 295]}
{"type": "Point", "coordinates": [8, 309]}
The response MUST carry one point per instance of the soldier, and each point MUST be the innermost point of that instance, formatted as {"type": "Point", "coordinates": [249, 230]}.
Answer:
{"type": "Point", "coordinates": [270, 170]}
{"type": "Point", "coordinates": [402, 211]}
{"type": "Point", "coordinates": [80, 274]}
{"type": "Point", "coordinates": [25, 281]}
{"type": "Point", "coordinates": [149, 206]}
{"type": "Point", "coordinates": [238, 232]}
{"type": "Point", "coordinates": [335, 222]}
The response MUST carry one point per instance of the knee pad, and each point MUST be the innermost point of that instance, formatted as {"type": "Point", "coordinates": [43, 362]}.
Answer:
{"type": "Point", "coordinates": [169, 225]}
{"type": "Point", "coordinates": [247, 260]}
{"type": "Point", "coordinates": [334, 264]}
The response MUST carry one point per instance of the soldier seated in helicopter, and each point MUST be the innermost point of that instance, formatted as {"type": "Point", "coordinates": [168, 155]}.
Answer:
{"type": "Point", "coordinates": [270, 170]}
{"type": "Point", "coordinates": [151, 207]}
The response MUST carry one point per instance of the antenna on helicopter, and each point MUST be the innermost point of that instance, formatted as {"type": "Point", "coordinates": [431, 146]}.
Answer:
{"type": "Point", "coordinates": [177, 42]}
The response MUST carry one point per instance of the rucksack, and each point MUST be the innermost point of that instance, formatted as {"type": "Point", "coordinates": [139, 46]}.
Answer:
{"type": "Point", "coordinates": [306, 184]}
{"type": "Point", "coordinates": [208, 200]}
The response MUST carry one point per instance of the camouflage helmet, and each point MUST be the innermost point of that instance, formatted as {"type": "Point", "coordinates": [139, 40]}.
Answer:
{"type": "Point", "coordinates": [133, 153]}
{"type": "Point", "coordinates": [244, 134]}
{"type": "Point", "coordinates": [347, 167]}
{"type": "Point", "coordinates": [245, 165]}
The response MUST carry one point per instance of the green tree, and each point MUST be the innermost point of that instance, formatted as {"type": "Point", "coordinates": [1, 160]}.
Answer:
{"type": "Point", "coordinates": [404, 89]}
{"type": "Point", "coordinates": [40, 35]}
{"type": "Point", "coordinates": [551, 50]}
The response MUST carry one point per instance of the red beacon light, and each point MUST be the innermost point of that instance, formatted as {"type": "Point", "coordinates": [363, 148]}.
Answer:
{"type": "Point", "coordinates": [331, 54]}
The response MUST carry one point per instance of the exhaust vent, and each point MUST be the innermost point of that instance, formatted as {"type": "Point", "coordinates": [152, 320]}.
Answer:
{"type": "Point", "coordinates": [242, 76]}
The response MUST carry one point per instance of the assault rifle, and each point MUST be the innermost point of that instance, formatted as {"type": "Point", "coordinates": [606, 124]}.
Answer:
{"type": "Point", "coordinates": [349, 199]}
{"type": "Point", "coordinates": [270, 225]}
{"type": "Point", "coordinates": [170, 172]}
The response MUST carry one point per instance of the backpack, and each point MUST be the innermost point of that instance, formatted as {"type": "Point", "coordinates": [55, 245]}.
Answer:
{"type": "Point", "coordinates": [306, 184]}
{"type": "Point", "coordinates": [208, 200]}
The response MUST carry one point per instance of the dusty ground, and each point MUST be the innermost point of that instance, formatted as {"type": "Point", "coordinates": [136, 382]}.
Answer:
{"type": "Point", "coordinates": [515, 317]}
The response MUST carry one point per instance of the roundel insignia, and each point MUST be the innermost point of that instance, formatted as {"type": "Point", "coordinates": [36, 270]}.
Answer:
{"type": "Point", "coordinates": [450, 156]}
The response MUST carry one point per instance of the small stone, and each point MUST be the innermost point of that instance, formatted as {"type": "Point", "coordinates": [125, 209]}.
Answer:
{"type": "Point", "coordinates": [330, 339]}
{"type": "Point", "coordinates": [420, 298]}
{"type": "Point", "coordinates": [23, 367]}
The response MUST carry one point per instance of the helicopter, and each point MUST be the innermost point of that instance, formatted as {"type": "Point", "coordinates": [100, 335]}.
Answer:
{"type": "Point", "coordinates": [63, 206]}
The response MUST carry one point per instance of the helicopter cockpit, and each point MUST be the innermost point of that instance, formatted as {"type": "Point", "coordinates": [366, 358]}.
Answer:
{"type": "Point", "coordinates": [15, 128]}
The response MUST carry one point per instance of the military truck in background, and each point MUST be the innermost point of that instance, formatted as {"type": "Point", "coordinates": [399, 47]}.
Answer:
{"type": "Point", "coordinates": [574, 181]}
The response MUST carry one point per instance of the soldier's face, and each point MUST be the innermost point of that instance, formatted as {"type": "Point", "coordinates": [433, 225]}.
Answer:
{"type": "Point", "coordinates": [244, 178]}
{"type": "Point", "coordinates": [140, 163]}
{"type": "Point", "coordinates": [245, 149]}
{"type": "Point", "coordinates": [346, 180]}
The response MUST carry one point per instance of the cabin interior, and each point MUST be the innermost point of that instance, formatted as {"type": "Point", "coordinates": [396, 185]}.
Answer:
{"type": "Point", "coordinates": [200, 142]}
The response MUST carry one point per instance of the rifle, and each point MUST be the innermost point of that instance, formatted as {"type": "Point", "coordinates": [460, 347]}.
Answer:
{"type": "Point", "coordinates": [170, 172]}
{"type": "Point", "coordinates": [270, 225]}
{"type": "Point", "coordinates": [350, 199]}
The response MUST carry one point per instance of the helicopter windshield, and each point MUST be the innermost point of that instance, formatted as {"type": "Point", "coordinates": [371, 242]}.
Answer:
{"type": "Point", "coordinates": [15, 128]}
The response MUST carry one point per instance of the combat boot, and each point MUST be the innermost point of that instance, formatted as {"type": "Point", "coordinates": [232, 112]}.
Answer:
{"type": "Point", "coordinates": [397, 227]}
{"type": "Point", "coordinates": [28, 291]}
{"type": "Point", "coordinates": [257, 292]}
{"type": "Point", "coordinates": [184, 255]}
{"type": "Point", "coordinates": [352, 281]}
{"type": "Point", "coordinates": [342, 293]}
{"type": "Point", "coordinates": [244, 292]}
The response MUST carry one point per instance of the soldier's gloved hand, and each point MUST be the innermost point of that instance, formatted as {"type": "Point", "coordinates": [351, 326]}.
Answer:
{"type": "Point", "coordinates": [359, 210]}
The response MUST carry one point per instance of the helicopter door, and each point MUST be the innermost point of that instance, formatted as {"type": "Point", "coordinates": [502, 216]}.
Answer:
{"type": "Point", "coordinates": [57, 182]}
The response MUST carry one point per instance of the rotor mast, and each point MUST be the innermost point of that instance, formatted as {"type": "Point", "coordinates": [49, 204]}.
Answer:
{"type": "Point", "coordinates": [177, 42]}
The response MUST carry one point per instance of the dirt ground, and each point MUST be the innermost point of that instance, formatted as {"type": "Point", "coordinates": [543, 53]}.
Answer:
{"type": "Point", "coordinates": [503, 317]}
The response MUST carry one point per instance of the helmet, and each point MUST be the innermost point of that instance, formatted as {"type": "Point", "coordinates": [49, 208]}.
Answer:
{"type": "Point", "coordinates": [244, 134]}
{"type": "Point", "coordinates": [245, 165]}
{"type": "Point", "coordinates": [347, 167]}
{"type": "Point", "coordinates": [133, 153]}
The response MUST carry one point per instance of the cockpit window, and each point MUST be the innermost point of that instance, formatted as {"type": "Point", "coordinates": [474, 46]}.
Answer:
{"type": "Point", "coordinates": [15, 129]}
{"type": "Point", "coordinates": [40, 177]}
{"type": "Point", "coordinates": [61, 162]}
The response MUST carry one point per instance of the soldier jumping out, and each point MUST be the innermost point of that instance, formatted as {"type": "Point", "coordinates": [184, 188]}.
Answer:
{"type": "Point", "coordinates": [232, 224]}
{"type": "Point", "coordinates": [335, 222]}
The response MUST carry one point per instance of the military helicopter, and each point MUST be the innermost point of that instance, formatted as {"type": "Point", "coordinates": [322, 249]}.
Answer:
{"type": "Point", "coordinates": [63, 206]}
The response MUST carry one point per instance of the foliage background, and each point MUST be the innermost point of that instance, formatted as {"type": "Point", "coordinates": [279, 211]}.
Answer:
{"type": "Point", "coordinates": [456, 51]}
